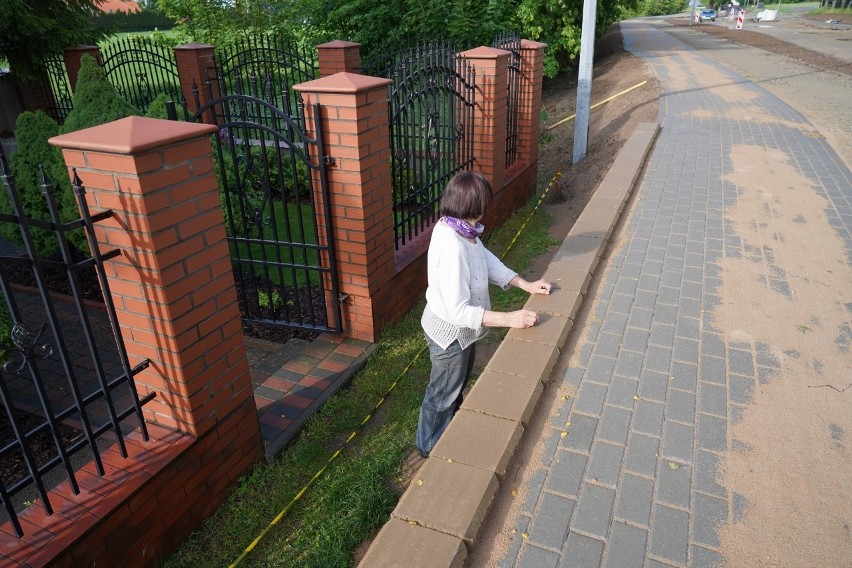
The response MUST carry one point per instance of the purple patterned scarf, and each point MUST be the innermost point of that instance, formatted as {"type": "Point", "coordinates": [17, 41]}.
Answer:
{"type": "Point", "coordinates": [463, 228]}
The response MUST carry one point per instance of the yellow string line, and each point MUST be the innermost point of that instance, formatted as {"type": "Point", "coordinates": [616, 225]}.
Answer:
{"type": "Point", "coordinates": [596, 105]}
{"type": "Point", "coordinates": [369, 416]}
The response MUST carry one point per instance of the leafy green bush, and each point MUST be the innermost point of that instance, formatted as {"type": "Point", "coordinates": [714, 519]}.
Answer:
{"type": "Point", "coordinates": [661, 7]}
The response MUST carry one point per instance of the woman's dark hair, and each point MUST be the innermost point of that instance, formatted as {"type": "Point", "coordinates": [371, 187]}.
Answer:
{"type": "Point", "coordinates": [466, 196]}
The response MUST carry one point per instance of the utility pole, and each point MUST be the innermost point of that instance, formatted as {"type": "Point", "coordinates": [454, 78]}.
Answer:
{"type": "Point", "coordinates": [584, 80]}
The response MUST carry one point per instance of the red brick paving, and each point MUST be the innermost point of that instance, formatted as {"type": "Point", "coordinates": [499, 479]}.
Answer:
{"type": "Point", "coordinates": [331, 356]}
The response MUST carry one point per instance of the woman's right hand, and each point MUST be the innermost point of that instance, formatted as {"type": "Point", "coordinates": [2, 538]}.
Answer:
{"type": "Point", "coordinates": [521, 319]}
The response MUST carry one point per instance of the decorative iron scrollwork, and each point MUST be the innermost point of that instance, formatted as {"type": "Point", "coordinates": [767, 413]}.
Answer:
{"type": "Point", "coordinates": [26, 341]}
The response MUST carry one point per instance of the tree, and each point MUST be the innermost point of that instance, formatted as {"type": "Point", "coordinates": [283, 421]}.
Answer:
{"type": "Point", "coordinates": [390, 23]}
{"type": "Point", "coordinates": [217, 21]}
{"type": "Point", "coordinates": [30, 30]}
{"type": "Point", "coordinates": [558, 23]}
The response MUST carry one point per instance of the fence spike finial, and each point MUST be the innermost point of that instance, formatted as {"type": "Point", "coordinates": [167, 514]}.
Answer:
{"type": "Point", "coordinates": [77, 183]}
{"type": "Point", "coordinates": [44, 181]}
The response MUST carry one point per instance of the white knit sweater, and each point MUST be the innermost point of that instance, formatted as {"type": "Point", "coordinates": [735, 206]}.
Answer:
{"type": "Point", "coordinates": [457, 296]}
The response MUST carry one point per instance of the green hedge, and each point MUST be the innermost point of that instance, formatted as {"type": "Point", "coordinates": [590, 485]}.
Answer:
{"type": "Point", "coordinates": [143, 21]}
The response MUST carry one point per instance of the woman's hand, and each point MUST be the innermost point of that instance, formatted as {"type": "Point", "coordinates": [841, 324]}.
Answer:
{"type": "Point", "coordinates": [518, 319]}
{"type": "Point", "coordinates": [521, 319]}
{"type": "Point", "coordinates": [537, 287]}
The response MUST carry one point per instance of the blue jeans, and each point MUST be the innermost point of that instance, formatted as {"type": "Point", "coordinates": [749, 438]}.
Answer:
{"type": "Point", "coordinates": [451, 368]}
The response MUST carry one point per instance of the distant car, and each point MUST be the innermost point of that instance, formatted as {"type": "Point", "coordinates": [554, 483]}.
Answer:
{"type": "Point", "coordinates": [708, 14]}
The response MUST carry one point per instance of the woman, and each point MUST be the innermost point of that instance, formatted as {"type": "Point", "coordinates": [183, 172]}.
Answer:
{"type": "Point", "coordinates": [458, 309]}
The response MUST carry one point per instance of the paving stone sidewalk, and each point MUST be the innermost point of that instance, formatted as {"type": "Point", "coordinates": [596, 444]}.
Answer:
{"type": "Point", "coordinates": [658, 387]}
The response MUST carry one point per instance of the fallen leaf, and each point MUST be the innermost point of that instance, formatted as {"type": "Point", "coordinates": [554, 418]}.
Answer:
{"type": "Point", "coordinates": [673, 465]}
{"type": "Point", "coordinates": [525, 535]}
{"type": "Point", "coordinates": [514, 492]}
{"type": "Point", "coordinates": [563, 434]}
{"type": "Point", "coordinates": [636, 397]}
{"type": "Point", "coordinates": [419, 482]}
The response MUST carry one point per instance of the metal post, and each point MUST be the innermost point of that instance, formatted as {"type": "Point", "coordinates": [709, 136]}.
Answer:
{"type": "Point", "coordinates": [584, 80]}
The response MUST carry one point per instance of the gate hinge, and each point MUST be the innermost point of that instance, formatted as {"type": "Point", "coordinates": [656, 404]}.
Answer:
{"type": "Point", "coordinates": [328, 160]}
{"type": "Point", "coordinates": [342, 297]}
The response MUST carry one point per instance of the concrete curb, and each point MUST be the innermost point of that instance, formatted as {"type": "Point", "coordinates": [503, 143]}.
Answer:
{"type": "Point", "coordinates": [441, 512]}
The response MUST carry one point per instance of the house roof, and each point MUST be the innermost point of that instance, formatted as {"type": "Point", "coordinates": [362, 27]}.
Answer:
{"type": "Point", "coordinates": [110, 6]}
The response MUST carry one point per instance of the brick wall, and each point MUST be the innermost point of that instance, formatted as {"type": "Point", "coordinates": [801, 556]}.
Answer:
{"type": "Point", "coordinates": [382, 284]}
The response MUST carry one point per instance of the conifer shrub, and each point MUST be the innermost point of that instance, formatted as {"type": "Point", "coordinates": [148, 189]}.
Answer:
{"type": "Point", "coordinates": [96, 101]}
{"type": "Point", "coordinates": [157, 108]}
{"type": "Point", "coordinates": [32, 130]}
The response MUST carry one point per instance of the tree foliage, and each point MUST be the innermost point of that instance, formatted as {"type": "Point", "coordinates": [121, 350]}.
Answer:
{"type": "Point", "coordinates": [557, 23]}
{"type": "Point", "coordinates": [217, 21]}
{"type": "Point", "coordinates": [33, 29]}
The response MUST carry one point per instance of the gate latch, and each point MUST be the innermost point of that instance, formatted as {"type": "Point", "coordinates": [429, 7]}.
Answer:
{"type": "Point", "coordinates": [328, 160]}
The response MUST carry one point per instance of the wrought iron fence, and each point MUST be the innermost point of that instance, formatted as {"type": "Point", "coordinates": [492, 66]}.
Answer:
{"type": "Point", "coordinates": [140, 69]}
{"type": "Point", "coordinates": [430, 104]}
{"type": "Point", "coordinates": [266, 66]}
{"type": "Point", "coordinates": [511, 42]}
{"type": "Point", "coordinates": [60, 87]}
{"type": "Point", "coordinates": [66, 383]}
{"type": "Point", "coordinates": [274, 189]}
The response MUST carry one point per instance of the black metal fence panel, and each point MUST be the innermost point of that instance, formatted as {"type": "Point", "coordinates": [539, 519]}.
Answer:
{"type": "Point", "coordinates": [60, 88]}
{"type": "Point", "coordinates": [267, 66]}
{"type": "Point", "coordinates": [66, 383]}
{"type": "Point", "coordinates": [511, 42]}
{"type": "Point", "coordinates": [141, 69]}
{"type": "Point", "coordinates": [273, 185]}
{"type": "Point", "coordinates": [431, 104]}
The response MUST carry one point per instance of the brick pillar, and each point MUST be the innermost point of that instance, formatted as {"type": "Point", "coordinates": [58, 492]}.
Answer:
{"type": "Point", "coordinates": [339, 56]}
{"type": "Point", "coordinates": [354, 116]}
{"type": "Point", "coordinates": [172, 283]}
{"type": "Point", "coordinates": [35, 94]}
{"type": "Point", "coordinates": [492, 86]}
{"type": "Point", "coordinates": [529, 123]}
{"type": "Point", "coordinates": [72, 56]}
{"type": "Point", "coordinates": [195, 62]}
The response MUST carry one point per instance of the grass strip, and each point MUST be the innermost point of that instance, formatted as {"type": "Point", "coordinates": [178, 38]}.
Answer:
{"type": "Point", "coordinates": [354, 497]}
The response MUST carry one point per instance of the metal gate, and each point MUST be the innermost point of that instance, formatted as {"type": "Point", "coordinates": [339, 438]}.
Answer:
{"type": "Point", "coordinates": [432, 130]}
{"type": "Point", "coordinates": [140, 69]}
{"type": "Point", "coordinates": [277, 219]}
